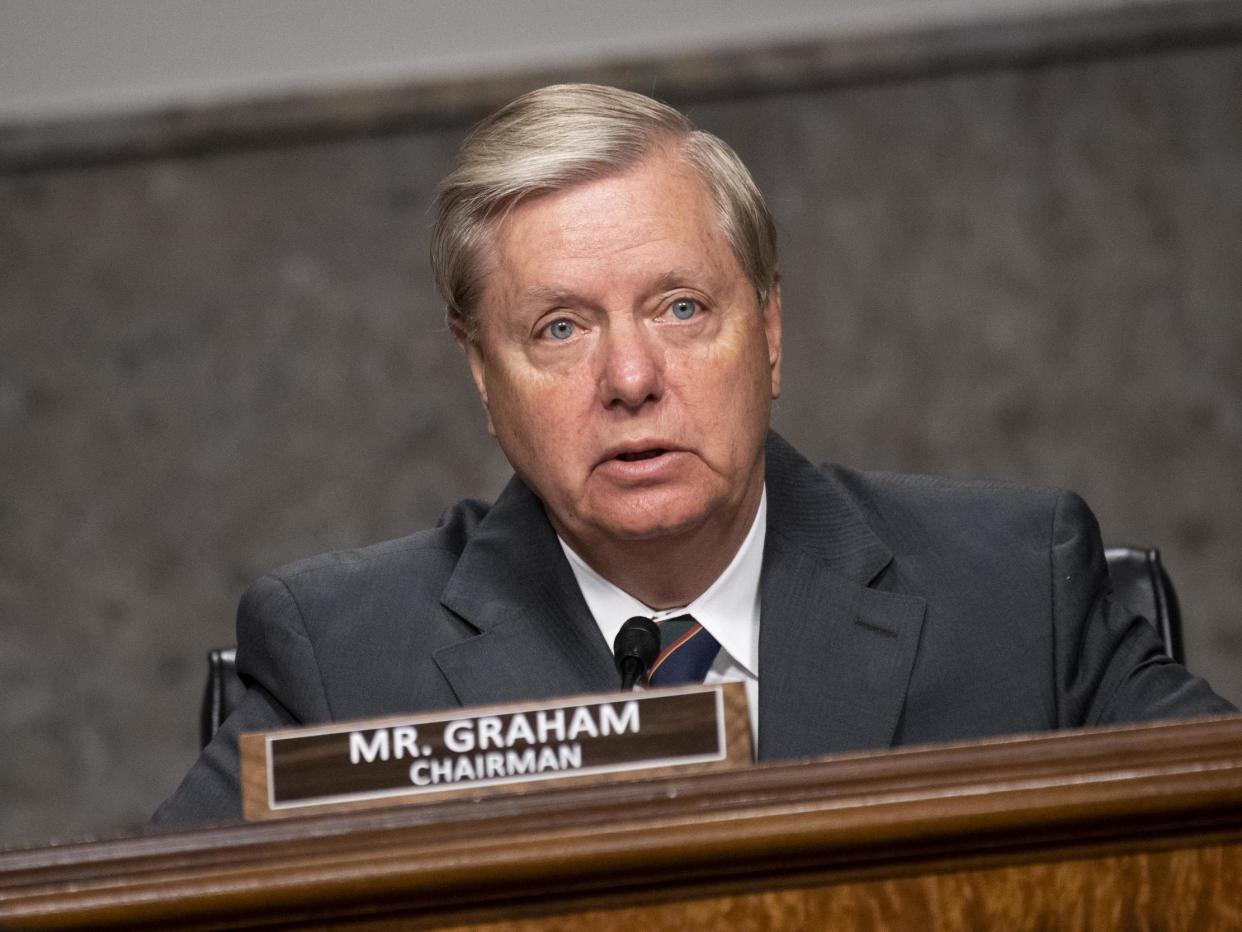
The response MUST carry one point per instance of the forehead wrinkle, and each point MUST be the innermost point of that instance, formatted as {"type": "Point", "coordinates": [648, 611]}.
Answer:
{"type": "Point", "coordinates": [556, 257]}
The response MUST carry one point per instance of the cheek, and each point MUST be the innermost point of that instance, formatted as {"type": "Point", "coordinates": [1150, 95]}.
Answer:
{"type": "Point", "coordinates": [534, 413]}
{"type": "Point", "coordinates": [739, 394]}
{"type": "Point", "coordinates": [737, 370]}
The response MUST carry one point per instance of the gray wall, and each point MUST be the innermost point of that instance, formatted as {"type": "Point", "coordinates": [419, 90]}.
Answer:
{"type": "Point", "coordinates": [77, 57]}
{"type": "Point", "coordinates": [214, 363]}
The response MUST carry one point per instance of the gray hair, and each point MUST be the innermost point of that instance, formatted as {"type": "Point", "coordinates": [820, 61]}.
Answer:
{"type": "Point", "coordinates": [564, 135]}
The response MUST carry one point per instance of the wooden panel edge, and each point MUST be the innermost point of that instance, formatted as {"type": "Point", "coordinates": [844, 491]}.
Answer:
{"type": "Point", "coordinates": [1142, 787]}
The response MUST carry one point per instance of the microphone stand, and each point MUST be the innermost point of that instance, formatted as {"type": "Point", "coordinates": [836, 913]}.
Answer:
{"type": "Point", "coordinates": [635, 649]}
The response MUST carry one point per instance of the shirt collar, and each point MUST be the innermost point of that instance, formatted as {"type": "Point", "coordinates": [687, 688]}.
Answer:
{"type": "Point", "coordinates": [728, 609]}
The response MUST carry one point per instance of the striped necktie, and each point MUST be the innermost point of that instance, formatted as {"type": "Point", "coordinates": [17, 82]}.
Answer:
{"type": "Point", "coordinates": [686, 652]}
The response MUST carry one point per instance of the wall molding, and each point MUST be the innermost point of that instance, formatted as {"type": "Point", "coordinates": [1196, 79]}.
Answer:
{"type": "Point", "coordinates": [894, 54]}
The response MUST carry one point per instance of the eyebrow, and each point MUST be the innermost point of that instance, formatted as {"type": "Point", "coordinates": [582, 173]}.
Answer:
{"type": "Point", "coordinates": [676, 278]}
{"type": "Point", "coordinates": [551, 295]}
{"type": "Point", "coordinates": [540, 294]}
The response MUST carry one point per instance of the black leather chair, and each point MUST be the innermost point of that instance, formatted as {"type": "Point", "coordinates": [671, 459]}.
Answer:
{"type": "Point", "coordinates": [224, 691]}
{"type": "Point", "coordinates": [1140, 583]}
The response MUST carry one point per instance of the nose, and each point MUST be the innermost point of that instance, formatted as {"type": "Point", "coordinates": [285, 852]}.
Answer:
{"type": "Point", "coordinates": [631, 366]}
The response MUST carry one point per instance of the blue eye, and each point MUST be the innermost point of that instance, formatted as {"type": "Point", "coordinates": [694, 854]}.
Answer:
{"type": "Point", "coordinates": [560, 329]}
{"type": "Point", "coordinates": [684, 308]}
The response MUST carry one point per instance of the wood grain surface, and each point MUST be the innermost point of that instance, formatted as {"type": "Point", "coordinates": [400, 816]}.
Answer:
{"type": "Point", "coordinates": [1186, 890]}
{"type": "Point", "coordinates": [1130, 828]}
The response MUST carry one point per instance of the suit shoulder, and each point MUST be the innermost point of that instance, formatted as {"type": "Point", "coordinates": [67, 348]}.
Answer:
{"type": "Point", "coordinates": [909, 505]}
{"type": "Point", "coordinates": [421, 551]}
{"type": "Point", "coordinates": [920, 489]}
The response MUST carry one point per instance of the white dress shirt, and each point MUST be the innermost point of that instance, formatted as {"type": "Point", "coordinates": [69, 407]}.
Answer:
{"type": "Point", "coordinates": [729, 610]}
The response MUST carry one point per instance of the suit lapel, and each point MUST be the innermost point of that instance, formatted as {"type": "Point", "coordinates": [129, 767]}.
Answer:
{"type": "Point", "coordinates": [536, 637]}
{"type": "Point", "coordinates": [834, 658]}
{"type": "Point", "coordinates": [834, 655]}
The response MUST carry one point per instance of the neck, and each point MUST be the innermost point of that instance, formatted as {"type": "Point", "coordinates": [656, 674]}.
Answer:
{"type": "Point", "coordinates": [671, 570]}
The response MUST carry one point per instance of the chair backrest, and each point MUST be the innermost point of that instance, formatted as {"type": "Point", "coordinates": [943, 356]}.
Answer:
{"type": "Point", "coordinates": [1140, 583]}
{"type": "Point", "coordinates": [224, 691]}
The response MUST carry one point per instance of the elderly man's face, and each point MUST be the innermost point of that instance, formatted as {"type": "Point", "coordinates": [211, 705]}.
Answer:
{"type": "Point", "coordinates": [624, 361]}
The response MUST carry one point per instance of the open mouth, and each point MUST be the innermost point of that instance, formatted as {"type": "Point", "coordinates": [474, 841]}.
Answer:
{"type": "Point", "coordinates": [643, 455]}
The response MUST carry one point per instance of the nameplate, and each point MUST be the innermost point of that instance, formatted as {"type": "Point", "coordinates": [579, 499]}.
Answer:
{"type": "Point", "coordinates": [393, 761]}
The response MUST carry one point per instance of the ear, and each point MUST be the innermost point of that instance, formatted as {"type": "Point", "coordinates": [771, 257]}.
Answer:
{"type": "Point", "coordinates": [478, 369]}
{"type": "Point", "coordinates": [772, 329]}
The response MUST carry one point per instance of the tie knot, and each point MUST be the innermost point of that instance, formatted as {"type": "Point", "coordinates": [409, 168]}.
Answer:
{"type": "Point", "coordinates": [687, 652]}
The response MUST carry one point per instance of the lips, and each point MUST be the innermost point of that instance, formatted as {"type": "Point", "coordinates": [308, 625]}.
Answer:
{"type": "Point", "coordinates": [636, 451]}
{"type": "Point", "coordinates": [640, 455]}
{"type": "Point", "coordinates": [641, 462]}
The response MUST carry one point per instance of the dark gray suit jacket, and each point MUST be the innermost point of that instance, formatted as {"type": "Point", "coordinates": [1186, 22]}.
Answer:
{"type": "Point", "coordinates": [896, 610]}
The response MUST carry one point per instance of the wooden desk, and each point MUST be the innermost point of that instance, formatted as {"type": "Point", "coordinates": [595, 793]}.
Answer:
{"type": "Point", "coordinates": [1119, 829]}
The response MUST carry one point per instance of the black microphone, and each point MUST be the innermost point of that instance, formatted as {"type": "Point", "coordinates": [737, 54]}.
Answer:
{"type": "Point", "coordinates": [636, 647]}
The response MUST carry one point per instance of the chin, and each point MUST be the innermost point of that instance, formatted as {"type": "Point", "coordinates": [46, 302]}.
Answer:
{"type": "Point", "coordinates": [646, 522]}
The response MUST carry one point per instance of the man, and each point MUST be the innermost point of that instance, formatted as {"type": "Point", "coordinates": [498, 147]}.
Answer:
{"type": "Point", "coordinates": [611, 273]}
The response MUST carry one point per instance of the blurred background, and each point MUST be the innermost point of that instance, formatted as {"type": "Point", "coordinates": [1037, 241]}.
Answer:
{"type": "Point", "coordinates": [1012, 244]}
